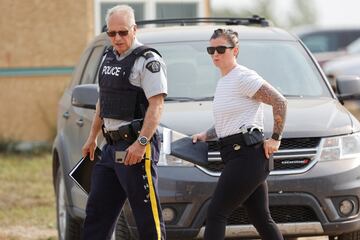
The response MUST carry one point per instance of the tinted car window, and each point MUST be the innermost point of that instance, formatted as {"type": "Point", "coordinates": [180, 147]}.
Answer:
{"type": "Point", "coordinates": [76, 76]}
{"type": "Point", "coordinates": [321, 42]}
{"type": "Point", "coordinates": [280, 63]}
{"type": "Point", "coordinates": [328, 41]}
{"type": "Point", "coordinates": [354, 47]}
{"type": "Point", "coordinates": [92, 65]}
{"type": "Point", "coordinates": [351, 36]}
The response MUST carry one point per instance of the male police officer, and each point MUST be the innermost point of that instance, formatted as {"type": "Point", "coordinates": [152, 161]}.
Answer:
{"type": "Point", "coordinates": [132, 83]}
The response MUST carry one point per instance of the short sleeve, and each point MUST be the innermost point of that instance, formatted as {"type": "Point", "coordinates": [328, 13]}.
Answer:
{"type": "Point", "coordinates": [250, 83]}
{"type": "Point", "coordinates": [153, 77]}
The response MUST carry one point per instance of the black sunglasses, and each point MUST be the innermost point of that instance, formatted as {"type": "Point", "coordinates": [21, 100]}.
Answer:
{"type": "Point", "coordinates": [121, 33]}
{"type": "Point", "coordinates": [219, 49]}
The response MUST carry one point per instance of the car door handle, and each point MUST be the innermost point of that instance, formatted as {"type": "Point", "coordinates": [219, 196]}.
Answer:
{"type": "Point", "coordinates": [66, 115]}
{"type": "Point", "coordinates": [80, 122]}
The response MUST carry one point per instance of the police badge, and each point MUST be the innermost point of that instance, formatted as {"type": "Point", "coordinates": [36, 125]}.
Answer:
{"type": "Point", "coordinates": [153, 66]}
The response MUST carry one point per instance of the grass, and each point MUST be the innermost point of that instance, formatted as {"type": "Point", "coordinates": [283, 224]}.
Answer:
{"type": "Point", "coordinates": [27, 201]}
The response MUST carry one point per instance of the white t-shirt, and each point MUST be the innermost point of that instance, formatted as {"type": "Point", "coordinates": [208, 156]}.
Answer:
{"type": "Point", "coordinates": [153, 83]}
{"type": "Point", "coordinates": [233, 106]}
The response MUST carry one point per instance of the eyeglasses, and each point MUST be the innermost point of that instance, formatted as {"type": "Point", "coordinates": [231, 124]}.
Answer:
{"type": "Point", "coordinates": [121, 33]}
{"type": "Point", "coordinates": [219, 49]}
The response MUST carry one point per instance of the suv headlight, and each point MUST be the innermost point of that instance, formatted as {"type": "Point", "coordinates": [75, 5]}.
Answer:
{"type": "Point", "coordinates": [341, 147]}
{"type": "Point", "coordinates": [165, 158]}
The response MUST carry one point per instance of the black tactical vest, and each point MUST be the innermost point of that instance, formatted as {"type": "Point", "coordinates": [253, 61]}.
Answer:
{"type": "Point", "coordinates": [119, 99]}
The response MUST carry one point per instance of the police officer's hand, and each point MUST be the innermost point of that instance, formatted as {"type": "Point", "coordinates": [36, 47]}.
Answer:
{"type": "Point", "coordinates": [89, 148]}
{"type": "Point", "coordinates": [199, 137]}
{"type": "Point", "coordinates": [135, 153]}
{"type": "Point", "coordinates": [271, 146]}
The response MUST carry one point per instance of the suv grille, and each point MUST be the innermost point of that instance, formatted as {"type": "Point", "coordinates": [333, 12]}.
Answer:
{"type": "Point", "coordinates": [298, 143]}
{"type": "Point", "coordinates": [294, 154]}
{"type": "Point", "coordinates": [280, 214]}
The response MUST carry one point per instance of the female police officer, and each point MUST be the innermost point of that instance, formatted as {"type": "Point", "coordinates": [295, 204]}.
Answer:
{"type": "Point", "coordinates": [238, 116]}
{"type": "Point", "coordinates": [132, 84]}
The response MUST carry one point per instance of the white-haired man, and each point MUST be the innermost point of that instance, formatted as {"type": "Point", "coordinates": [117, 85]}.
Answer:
{"type": "Point", "coordinates": [132, 87]}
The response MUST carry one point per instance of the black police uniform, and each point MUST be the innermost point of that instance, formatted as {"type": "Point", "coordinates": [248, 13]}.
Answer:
{"type": "Point", "coordinates": [112, 182]}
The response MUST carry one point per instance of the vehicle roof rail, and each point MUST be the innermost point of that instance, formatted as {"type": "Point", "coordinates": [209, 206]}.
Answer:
{"type": "Point", "coordinates": [254, 20]}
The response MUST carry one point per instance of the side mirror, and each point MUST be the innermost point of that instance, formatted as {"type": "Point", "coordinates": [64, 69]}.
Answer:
{"type": "Point", "coordinates": [85, 96]}
{"type": "Point", "coordinates": [348, 87]}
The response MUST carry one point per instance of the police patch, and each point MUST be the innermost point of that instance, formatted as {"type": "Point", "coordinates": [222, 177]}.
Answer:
{"type": "Point", "coordinates": [153, 66]}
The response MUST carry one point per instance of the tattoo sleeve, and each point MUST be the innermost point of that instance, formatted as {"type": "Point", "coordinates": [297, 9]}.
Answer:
{"type": "Point", "coordinates": [269, 95]}
{"type": "Point", "coordinates": [211, 133]}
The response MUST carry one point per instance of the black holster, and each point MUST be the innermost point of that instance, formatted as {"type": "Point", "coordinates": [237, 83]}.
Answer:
{"type": "Point", "coordinates": [253, 137]}
{"type": "Point", "coordinates": [249, 138]}
{"type": "Point", "coordinates": [128, 133]}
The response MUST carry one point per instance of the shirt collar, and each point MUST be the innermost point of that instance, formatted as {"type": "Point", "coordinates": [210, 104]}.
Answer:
{"type": "Point", "coordinates": [135, 44]}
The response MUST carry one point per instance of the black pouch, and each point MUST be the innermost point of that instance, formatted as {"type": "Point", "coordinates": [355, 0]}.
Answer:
{"type": "Point", "coordinates": [135, 127]}
{"type": "Point", "coordinates": [252, 138]}
{"type": "Point", "coordinates": [123, 133]}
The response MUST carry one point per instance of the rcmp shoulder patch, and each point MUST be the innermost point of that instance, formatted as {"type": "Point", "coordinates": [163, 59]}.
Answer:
{"type": "Point", "coordinates": [153, 66]}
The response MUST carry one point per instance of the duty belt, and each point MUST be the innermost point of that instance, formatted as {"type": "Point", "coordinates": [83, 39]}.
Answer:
{"type": "Point", "coordinates": [128, 133]}
{"type": "Point", "coordinates": [239, 138]}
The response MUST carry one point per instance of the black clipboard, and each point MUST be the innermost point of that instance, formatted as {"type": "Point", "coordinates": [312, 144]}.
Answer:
{"type": "Point", "coordinates": [81, 173]}
{"type": "Point", "coordinates": [196, 153]}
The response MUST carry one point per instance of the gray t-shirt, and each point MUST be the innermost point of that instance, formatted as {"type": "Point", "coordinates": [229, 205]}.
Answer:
{"type": "Point", "coordinates": [152, 82]}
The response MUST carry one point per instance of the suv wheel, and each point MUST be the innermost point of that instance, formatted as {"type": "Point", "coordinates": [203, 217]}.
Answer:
{"type": "Point", "coordinates": [122, 231]}
{"type": "Point", "coordinates": [68, 227]}
{"type": "Point", "coordinates": [350, 236]}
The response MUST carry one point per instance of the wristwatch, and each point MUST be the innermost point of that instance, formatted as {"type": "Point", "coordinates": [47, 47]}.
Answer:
{"type": "Point", "coordinates": [276, 136]}
{"type": "Point", "coordinates": [143, 140]}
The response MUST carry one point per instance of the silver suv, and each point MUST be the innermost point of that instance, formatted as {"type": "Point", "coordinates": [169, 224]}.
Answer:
{"type": "Point", "coordinates": [314, 188]}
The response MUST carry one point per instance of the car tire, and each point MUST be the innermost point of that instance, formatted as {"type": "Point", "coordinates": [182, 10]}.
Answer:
{"type": "Point", "coordinates": [68, 227]}
{"type": "Point", "coordinates": [349, 236]}
{"type": "Point", "coordinates": [122, 231]}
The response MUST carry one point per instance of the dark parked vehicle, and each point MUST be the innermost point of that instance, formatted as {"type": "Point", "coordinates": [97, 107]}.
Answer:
{"type": "Point", "coordinates": [344, 67]}
{"type": "Point", "coordinates": [327, 43]}
{"type": "Point", "coordinates": [314, 188]}
{"type": "Point", "coordinates": [348, 64]}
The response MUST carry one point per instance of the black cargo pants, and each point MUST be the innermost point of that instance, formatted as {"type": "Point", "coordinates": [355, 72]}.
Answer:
{"type": "Point", "coordinates": [112, 183]}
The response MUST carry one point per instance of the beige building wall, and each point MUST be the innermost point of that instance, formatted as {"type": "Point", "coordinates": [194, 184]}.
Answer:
{"type": "Point", "coordinates": [29, 107]}
{"type": "Point", "coordinates": [38, 34]}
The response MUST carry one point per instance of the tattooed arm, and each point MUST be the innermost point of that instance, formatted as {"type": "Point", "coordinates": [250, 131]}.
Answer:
{"type": "Point", "coordinates": [204, 136]}
{"type": "Point", "coordinates": [269, 95]}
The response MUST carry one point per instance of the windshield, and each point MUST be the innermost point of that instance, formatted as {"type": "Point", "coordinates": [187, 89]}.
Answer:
{"type": "Point", "coordinates": [285, 65]}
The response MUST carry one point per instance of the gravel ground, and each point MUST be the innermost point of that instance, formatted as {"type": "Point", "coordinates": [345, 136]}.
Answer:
{"type": "Point", "coordinates": [27, 233]}
{"type": "Point", "coordinates": [33, 233]}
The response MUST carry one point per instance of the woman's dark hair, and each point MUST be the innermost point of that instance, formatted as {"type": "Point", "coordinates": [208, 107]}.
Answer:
{"type": "Point", "coordinates": [230, 35]}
